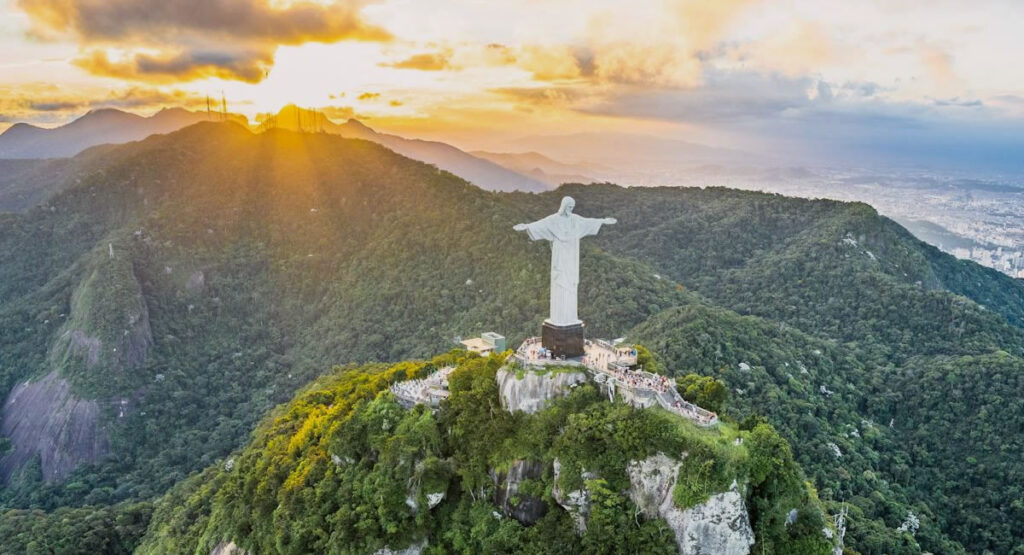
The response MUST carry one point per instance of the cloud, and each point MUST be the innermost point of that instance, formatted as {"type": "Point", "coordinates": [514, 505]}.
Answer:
{"type": "Point", "coordinates": [247, 20]}
{"type": "Point", "coordinates": [338, 113]}
{"type": "Point", "coordinates": [938, 65]}
{"type": "Point", "coordinates": [194, 39]}
{"type": "Point", "coordinates": [561, 96]}
{"type": "Point", "coordinates": [53, 105]}
{"type": "Point", "coordinates": [45, 103]}
{"type": "Point", "coordinates": [551, 62]}
{"type": "Point", "coordinates": [804, 47]}
{"type": "Point", "coordinates": [661, 49]}
{"type": "Point", "coordinates": [248, 65]}
{"type": "Point", "coordinates": [657, 48]}
{"type": "Point", "coordinates": [958, 102]}
{"type": "Point", "coordinates": [368, 96]}
{"type": "Point", "coordinates": [428, 61]}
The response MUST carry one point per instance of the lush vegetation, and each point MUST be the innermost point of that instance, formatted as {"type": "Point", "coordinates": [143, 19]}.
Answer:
{"type": "Point", "coordinates": [244, 265]}
{"type": "Point", "coordinates": [113, 529]}
{"type": "Point", "coordinates": [703, 391]}
{"type": "Point", "coordinates": [335, 471]}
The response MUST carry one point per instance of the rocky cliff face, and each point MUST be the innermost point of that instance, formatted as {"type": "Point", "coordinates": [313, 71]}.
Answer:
{"type": "Point", "coordinates": [414, 549]}
{"type": "Point", "coordinates": [106, 336]}
{"type": "Point", "coordinates": [43, 418]}
{"type": "Point", "coordinates": [521, 506]}
{"type": "Point", "coordinates": [576, 503]}
{"type": "Point", "coordinates": [108, 327]}
{"type": "Point", "coordinates": [228, 548]}
{"type": "Point", "coordinates": [719, 526]}
{"type": "Point", "coordinates": [531, 392]}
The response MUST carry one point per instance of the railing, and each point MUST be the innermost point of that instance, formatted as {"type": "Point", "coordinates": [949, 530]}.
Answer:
{"type": "Point", "coordinates": [661, 388]}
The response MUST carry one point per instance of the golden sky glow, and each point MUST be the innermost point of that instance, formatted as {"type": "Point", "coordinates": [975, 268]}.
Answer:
{"type": "Point", "coordinates": [479, 72]}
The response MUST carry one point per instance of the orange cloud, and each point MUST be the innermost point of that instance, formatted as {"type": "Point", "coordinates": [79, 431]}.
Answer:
{"type": "Point", "coordinates": [550, 63]}
{"type": "Point", "coordinates": [804, 47]}
{"type": "Point", "coordinates": [938, 64]}
{"type": "Point", "coordinates": [250, 66]}
{"type": "Point", "coordinates": [194, 39]}
{"type": "Point", "coordinates": [163, 21]}
{"type": "Point", "coordinates": [42, 102]}
{"type": "Point", "coordinates": [436, 61]}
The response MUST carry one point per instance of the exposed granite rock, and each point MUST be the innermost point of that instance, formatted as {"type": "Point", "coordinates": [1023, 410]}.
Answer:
{"type": "Point", "coordinates": [719, 526]}
{"type": "Point", "coordinates": [106, 336]}
{"type": "Point", "coordinates": [108, 329]}
{"type": "Point", "coordinates": [81, 346]}
{"type": "Point", "coordinates": [228, 548]}
{"type": "Point", "coordinates": [414, 549]}
{"type": "Point", "coordinates": [44, 419]}
{"type": "Point", "coordinates": [433, 500]}
{"type": "Point", "coordinates": [523, 507]}
{"type": "Point", "coordinates": [638, 398]}
{"type": "Point", "coordinates": [196, 282]}
{"type": "Point", "coordinates": [576, 502]}
{"type": "Point", "coordinates": [533, 390]}
{"type": "Point", "coordinates": [421, 489]}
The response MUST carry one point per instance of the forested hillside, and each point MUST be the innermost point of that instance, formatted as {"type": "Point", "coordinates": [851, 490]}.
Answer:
{"type": "Point", "coordinates": [180, 287]}
{"type": "Point", "coordinates": [334, 472]}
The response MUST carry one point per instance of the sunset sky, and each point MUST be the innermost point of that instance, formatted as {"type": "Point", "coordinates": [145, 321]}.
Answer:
{"type": "Point", "coordinates": [745, 74]}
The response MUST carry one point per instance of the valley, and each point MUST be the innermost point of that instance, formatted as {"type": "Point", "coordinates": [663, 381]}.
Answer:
{"type": "Point", "coordinates": [189, 283]}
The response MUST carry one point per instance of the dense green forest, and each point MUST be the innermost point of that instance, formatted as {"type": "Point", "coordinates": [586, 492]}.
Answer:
{"type": "Point", "coordinates": [189, 283]}
{"type": "Point", "coordinates": [331, 473]}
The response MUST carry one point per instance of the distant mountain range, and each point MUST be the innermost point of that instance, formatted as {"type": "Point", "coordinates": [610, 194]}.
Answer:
{"type": "Point", "coordinates": [173, 290]}
{"type": "Point", "coordinates": [24, 141]}
{"type": "Point", "coordinates": [107, 125]}
{"type": "Point", "coordinates": [484, 173]}
{"type": "Point", "coordinates": [542, 168]}
{"type": "Point", "coordinates": [629, 150]}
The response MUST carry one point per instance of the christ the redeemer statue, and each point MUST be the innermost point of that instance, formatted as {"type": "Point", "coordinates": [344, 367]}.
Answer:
{"type": "Point", "coordinates": [563, 330]}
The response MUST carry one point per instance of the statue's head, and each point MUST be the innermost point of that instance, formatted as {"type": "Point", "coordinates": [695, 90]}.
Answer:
{"type": "Point", "coordinates": [567, 205]}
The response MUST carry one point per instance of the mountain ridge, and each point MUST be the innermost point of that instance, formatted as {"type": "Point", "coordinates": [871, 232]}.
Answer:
{"type": "Point", "coordinates": [98, 126]}
{"type": "Point", "coordinates": [479, 171]}
{"type": "Point", "coordinates": [264, 259]}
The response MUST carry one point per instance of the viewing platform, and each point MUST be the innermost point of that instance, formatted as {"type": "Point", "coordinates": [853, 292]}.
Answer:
{"type": "Point", "coordinates": [615, 367]}
{"type": "Point", "coordinates": [428, 391]}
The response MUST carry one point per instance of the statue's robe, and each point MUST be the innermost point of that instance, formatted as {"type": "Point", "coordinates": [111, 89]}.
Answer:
{"type": "Point", "coordinates": [564, 232]}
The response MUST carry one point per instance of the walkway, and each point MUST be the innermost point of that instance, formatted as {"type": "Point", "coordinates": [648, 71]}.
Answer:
{"type": "Point", "coordinates": [611, 364]}
{"type": "Point", "coordinates": [430, 390]}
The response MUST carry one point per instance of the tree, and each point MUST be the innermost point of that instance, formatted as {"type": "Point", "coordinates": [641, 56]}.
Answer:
{"type": "Point", "coordinates": [703, 391]}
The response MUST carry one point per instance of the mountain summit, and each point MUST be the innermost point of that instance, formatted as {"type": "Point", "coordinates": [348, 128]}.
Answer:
{"type": "Point", "coordinates": [176, 289]}
{"type": "Point", "coordinates": [481, 172]}
{"type": "Point", "coordinates": [100, 126]}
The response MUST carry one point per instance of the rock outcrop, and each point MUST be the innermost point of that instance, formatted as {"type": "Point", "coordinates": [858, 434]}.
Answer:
{"type": "Point", "coordinates": [414, 549]}
{"type": "Point", "coordinates": [106, 336]}
{"type": "Point", "coordinates": [228, 548]}
{"type": "Point", "coordinates": [108, 327]}
{"type": "Point", "coordinates": [42, 418]}
{"type": "Point", "coordinates": [530, 391]}
{"type": "Point", "coordinates": [576, 502]}
{"type": "Point", "coordinates": [521, 506]}
{"type": "Point", "coordinates": [196, 282]}
{"type": "Point", "coordinates": [719, 526]}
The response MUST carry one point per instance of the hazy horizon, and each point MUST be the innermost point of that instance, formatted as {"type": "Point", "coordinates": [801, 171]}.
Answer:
{"type": "Point", "coordinates": [916, 84]}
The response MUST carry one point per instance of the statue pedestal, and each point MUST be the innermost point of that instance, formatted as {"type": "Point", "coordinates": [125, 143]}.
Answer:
{"type": "Point", "coordinates": [562, 341]}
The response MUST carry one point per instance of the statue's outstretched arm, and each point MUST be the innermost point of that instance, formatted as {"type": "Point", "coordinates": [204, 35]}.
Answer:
{"type": "Point", "coordinates": [520, 227]}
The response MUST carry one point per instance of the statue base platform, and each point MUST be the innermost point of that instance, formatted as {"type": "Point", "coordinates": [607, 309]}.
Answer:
{"type": "Point", "coordinates": [563, 341]}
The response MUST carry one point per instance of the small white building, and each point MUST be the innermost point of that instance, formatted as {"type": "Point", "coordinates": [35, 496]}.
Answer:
{"type": "Point", "coordinates": [486, 344]}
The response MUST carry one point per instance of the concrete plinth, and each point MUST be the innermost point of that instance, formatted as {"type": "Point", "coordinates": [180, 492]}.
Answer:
{"type": "Point", "coordinates": [563, 341]}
